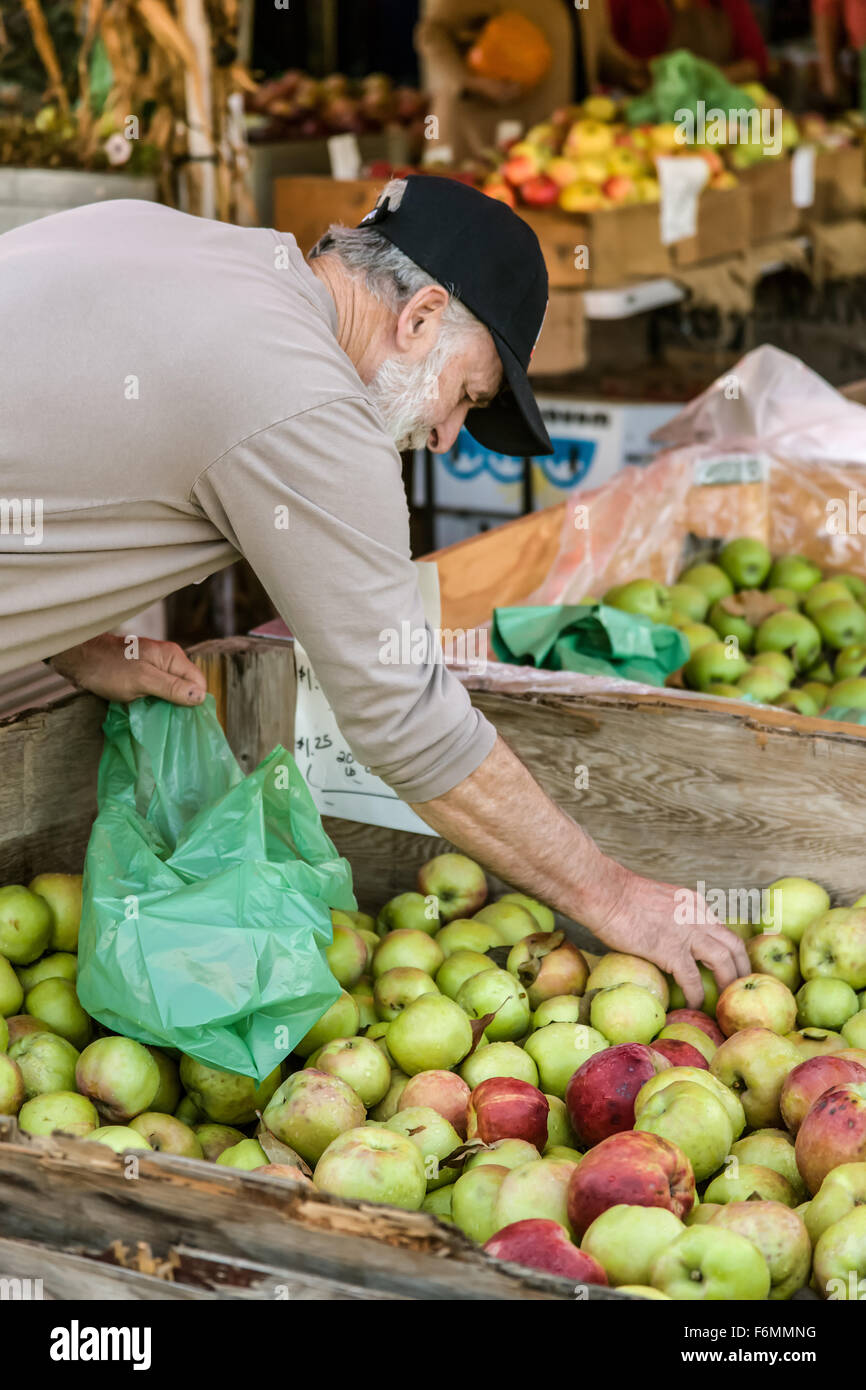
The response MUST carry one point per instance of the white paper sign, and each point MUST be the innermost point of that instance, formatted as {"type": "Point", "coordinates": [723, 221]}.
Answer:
{"type": "Point", "coordinates": [345, 156]}
{"type": "Point", "coordinates": [339, 785]}
{"type": "Point", "coordinates": [507, 132]}
{"type": "Point", "coordinates": [682, 179]}
{"type": "Point", "coordinates": [803, 176]}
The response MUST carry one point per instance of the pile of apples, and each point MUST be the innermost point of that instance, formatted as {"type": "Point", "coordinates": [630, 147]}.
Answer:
{"type": "Point", "coordinates": [564, 1113]}
{"type": "Point", "coordinates": [298, 106]}
{"type": "Point", "coordinates": [584, 159]}
{"type": "Point", "coordinates": [773, 631]}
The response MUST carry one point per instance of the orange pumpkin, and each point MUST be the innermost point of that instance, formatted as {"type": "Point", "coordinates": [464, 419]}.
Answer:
{"type": "Point", "coordinates": [512, 49]}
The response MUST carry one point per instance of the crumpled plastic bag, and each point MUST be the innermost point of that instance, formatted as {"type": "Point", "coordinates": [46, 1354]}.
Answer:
{"type": "Point", "coordinates": [593, 639]}
{"type": "Point", "coordinates": [679, 82]}
{"type": "Point", "coordinates": [207, 894]}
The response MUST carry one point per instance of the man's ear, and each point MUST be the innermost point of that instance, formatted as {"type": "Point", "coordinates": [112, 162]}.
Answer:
{"type": "Point", "coordinates": [419, 321]}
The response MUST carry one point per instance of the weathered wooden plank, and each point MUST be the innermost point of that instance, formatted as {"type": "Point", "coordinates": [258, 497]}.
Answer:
{"type": "Point", "coordinates": [253, 683]}
{"type": "Point", "coordinates": [65, 1275]}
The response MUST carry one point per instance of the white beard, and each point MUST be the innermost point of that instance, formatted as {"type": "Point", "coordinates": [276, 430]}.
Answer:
{"type": "Point", "coordinates": [405, 395]}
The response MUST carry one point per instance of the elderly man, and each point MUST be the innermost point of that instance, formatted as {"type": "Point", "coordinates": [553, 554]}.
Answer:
{"type": "Point", "coordinates": [176, 392]}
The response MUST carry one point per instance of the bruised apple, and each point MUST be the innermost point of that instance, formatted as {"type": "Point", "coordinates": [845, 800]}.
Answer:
{"type": "Point", "coordinates": [634, 1169]}
{"type": "Point", "coordinates": [222, 1096]}
{"type": "Point", "coordinates": [802, 1086]}
{"type": "Point", "coordinates": [373, 1165]}
{"type": "Point", "coordinates": [600, 1096]}
{"type": "Point", "coordinates": [679, 1053]}
{"type": "Point", "coordinates": [540, 1244]}
{"type": "Point", "coordinates": [537, 1189]}
{"type": "Point", "coordinates": [754, 1064]}
{"type": "Point", "coordinates": [832, 1133]}
{"type": "Point", "coordinates": [756, 1001]}
{"type": "Point", "coordinates": [548, 965]}
{"type": "Point", "coordinates": [441, 1091]}
{"type": "Point", "coordinates": [504, 1108]}
{"type": "Point", "coordinates": [119, 1076]}
{"type": "Point", "coordinates": [696, 1018]}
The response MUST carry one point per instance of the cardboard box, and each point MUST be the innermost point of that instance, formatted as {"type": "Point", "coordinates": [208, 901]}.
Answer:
{"type": "Point", "coordinates": [307, 206]}
{"type": "Point", "coordinates": [772, 213]}
{"type": "Point", "coordinates": [563, 345]}
{"type": "Point", "coordinates": [600, 249]}
{"type": "Point", "coordinates": [724, 228]}
{"type": "Point", "coordinates": [839, 180]}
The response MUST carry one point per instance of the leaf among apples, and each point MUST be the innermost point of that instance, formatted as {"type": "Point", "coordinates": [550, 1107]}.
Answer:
{"type": "Point", "coordinates": [751, 604]}
{"type": "Point", "coordinates": [277, 1151]}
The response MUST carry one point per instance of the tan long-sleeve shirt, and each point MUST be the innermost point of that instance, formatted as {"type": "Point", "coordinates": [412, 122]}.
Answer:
{"type": "Point", "coordinates": [173, 395]}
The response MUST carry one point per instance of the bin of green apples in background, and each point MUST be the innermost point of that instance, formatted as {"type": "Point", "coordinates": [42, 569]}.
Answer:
{"type": "Point", "coordinates": [774, 631]}
{"type": "Point", "coordinates": [566, 1115]}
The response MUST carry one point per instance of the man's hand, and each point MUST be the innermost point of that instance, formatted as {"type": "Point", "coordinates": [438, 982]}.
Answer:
{"type": "Point", "coordinates": [674, 928]}
{"type": "Point", "coordinates": [123, 668]}
{"type": "Point", "coordinates": [493, 89]}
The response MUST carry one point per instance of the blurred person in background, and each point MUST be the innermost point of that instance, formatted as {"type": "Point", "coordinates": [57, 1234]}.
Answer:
{"type": "Point", "coordinates": [469, 107]}
{"type": "Point", "coordinates": [837, 25]}
{"type": "Point", "coordinates": [724, 32]}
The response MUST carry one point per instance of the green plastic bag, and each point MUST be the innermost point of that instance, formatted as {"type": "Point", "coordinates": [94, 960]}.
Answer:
{"type": "Point", "coordinates": [206, 893]}
{"type": "Point", "coordinates": [679, 82]}
{"type": "Point", "coordinates": [593, 639]}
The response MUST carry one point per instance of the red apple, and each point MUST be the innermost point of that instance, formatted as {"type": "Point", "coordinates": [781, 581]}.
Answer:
{"type": "Point", "coordinates": [442, 1091]}
{"type": "Point", "coordinates": [600, 1095]}
{"type": "Point", "coordinates": [698, 1019]}
{"type": "Point", "coordinates": [636, 1169]}
{"type": "Point", "coordinates": [548, 966]}
{"type": "Point", "coordinates": [544, 1245]}
{"type": "Point", "coordinates": [679, 1053]}
{"type": "Point", "coordinates": [504, 1108]}
{"type": "Point", "coordinates": [539, 192]}
{"type": "Point", "coordinates": [518, 168]}
{"type": "Point", "coordinates": [619, 188]}
{"type": "Point", "coordinates": [833, 1132]}
{"type": "Point", "coordinates": [802, 1086]}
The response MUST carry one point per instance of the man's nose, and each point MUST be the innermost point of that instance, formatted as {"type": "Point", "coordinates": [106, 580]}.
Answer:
{"type": "Point", "coordinates": [443, 437]}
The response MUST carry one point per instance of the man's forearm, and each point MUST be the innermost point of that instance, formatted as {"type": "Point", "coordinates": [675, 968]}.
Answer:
{"type": "Point", "coordinates": [501, 816]}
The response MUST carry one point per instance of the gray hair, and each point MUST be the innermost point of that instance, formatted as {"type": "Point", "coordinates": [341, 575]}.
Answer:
{"type": "Point", "coordinates": [387, 272]}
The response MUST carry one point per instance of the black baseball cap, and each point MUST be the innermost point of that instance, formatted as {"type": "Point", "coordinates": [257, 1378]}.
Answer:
{"type": "Point", "coordinates": [490, 260]}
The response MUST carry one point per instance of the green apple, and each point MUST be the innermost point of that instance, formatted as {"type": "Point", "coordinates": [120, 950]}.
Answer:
{"type": "Point", "coordinates": [754, 1063]}
{"type": "Point", "coordinates": [223, 1097]}
{"type": "Point", "coordinates": [360, 1063]}
{"type": "Point", "coordinates": [363, 997]}
{"type": "Point", "coordinates": [214, 1139]}
{"type": "Point", "coordinates": [119, 1076]}
{"type": "Point", "coordinates": [12, 1091]}
{"type": "Point", "coordinates": [771, 953]}
{"type": "Point", "coordinates": [11, 990]}
{"type": "Point", "coordinates": [751, 1182]}
{"type": "Point", "coordinates": [544, 917]}
{"type": "Point", "coordinates": [505, 1153]}
{"type": "Point", "coordinates": [672, 1075]}
{"type": "Point", "coordinates": [25, 924]}
{"type": "Point", "coordinates": [499, 1059]}
{"type": "Point", "coordinates": [780, 1236]}
{"type": "Point", "coordinates": [701, 1213]}
{"type": "Point", "coordinates": [841, 623]}
{"type": "Point", "coordinates": [689, 600]}
{"type": "Point", "coordinates": [390, 1102]}
{"type": "Point", "coordinates": [626, 1013]}
{"type": "Point", "coordinates": [716, 663]}
{"type": "Point", "coordinates": [619, 968]}
{"type": "Point", "coordinates": [822, 671]}
{"type": "Point", "coordinates": [563, 1151]}
{"type": "Point", "coordinates": [644, 1291]}
{"type": "Point", "coordinates": [840, 1258]}
{"type": "Point", "coordinates": [726, 623]}
{"type": "Point", "coordinates": [800, 701]}
{"type": "Point", "coordinates": [642, 597]}
{"type": "Point", "coordinates": [370, 940]}
{"type": "Point", "coordinates": [746, 562]}
{"type": "Point", "coordinates": [468, 934]}
{"type": "Point", "coordinates": [473, 1200]}
{"type": "Point", "coordinates": [438, 1204]}
{"type": "Point", "coordinates": [347, 953]}
{"type": "Point", "coordinates": [405, 947]}
{"type": "Point", "coordinates": [690, 1117]}
{"type": "Point", "coordinates": [62, 965]}
{"type": "Point", "coordinates": [361, 921]}
{"type": "Point", "coordinates": [847, 694]}
{"type": "Point", "coordinates": [815, 1042]}
{"type": "Point", "coordinates": [59, 1112]}
{"type": "Point", "coordinates": [843, 1190]}
{"type": "Point", "coordinates": [413, 910]}
{"type": "Point", "coordinates": [708, 1264]}
{"type": "Point", "coordinates": [628, 1240]}
{"type": "Point", "coordinates": [434, 1138]}
{"type": "Point", "coordinates": [724, 690]}
{"type": "Point", "coordinates": [395, 991]}
{"type": "Point", "coordinates": [169, 1135]}
{"type": "Point", "coordinates": [431, 1034]}
{"type": "Point", "coordinates": [62, 893]}
{"type": "Point", "coordinates": [778, 662]}
{"type": "Point", "coordinates": [187, 1111]}
{"type": "Point", "coordinates": [835, 945]}
{"type": "Point", "coordinates": [791, 633]}
{"type": "Point", "coordinates": [825, 1002]}
{"type": "Point", "coordinates": [697, 635]}
{"type": "Point", "coordinates": [247, 1155]}
{"type": "Point", "coordinates": [535, 1191]}
{"type": "Point", "coordinates": [510, 919]}
{"type": "Point", "coordinates": [378, 1033]}
{"type": "Point", "coordinates": [851, 662]}
{"type": "Point", "coordinates": [817, 691]}
{"type": "Point", "coordinates": [793, 572]}
{"type": "Point", "coordinates": [562, 1008]}
{"type": "Point", "coordinates": [828, 591]}
{"type": "Point", "coordinates": [55, 1002]}
{"type": "Point", "coordinates": [710, 579]}
{"type": "Point", "coordinates": [559, 1049]}
{"type": "Point", "coordinates": [854, 1029]}
{"type": "Point", "coordinates": [456, 884]}
{"type": "Point", "coordinates": [792, 903]}
{"type": "Point", "coordinates": [559, 1132]}
{"type": "Point", "coordinates": [762, 684]}
{"type": "Point", "coordinates": [311, 1109]}
{"type": "Point", "coordinates": [457, 969]}
{"type": "Point", "coordinates": [373, 1165]}
{"type": "Point", "coordinates": [854, 584]}
{"type": "Point", "coordinates": [688, 1033]}
{"type": "Point", "coordinates": [711, 992]}
{"type": "Point", "coordinates": [787, 598]}
{"type": "Point", "coordinates": [47, 1063]}
{"type": "Point", "coordinates": [499, 993]}
{"type": "Point", "coordinates": [771, 1148]}
{"type": "Point", "coordinates": [4, 1032]}
{"type": "Point", "coordinates": [341, 1020]}
{"type": "Point", "coordinates": [120, 1138]}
